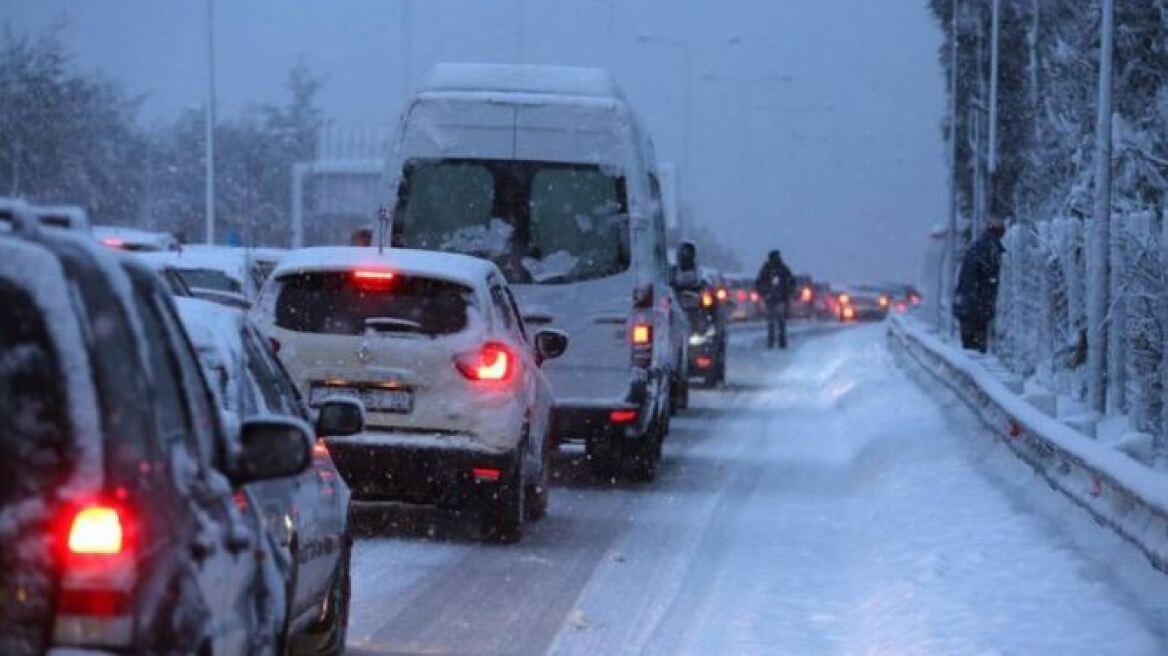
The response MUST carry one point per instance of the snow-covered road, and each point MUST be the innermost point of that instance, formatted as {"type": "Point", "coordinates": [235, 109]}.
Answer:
{"type": "Point", "coordinates": [823, 504]}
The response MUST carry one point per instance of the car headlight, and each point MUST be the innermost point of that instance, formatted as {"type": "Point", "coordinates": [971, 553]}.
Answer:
{"type": "Point", "coordinates": [697, 339]}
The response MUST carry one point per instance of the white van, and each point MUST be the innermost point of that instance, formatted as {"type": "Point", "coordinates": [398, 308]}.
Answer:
{"type": "Point", "coordinates": [547, 172]}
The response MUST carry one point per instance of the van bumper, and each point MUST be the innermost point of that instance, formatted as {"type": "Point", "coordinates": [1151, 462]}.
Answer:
{"type": "Point", "coordinates": [575, 420]}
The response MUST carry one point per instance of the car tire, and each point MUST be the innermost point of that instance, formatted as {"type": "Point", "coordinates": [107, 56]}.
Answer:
{"type": "Point", "coordinates": [539, 490]}
{"type": "Point", "coordinates": [328, 636]}
{"type": "Point", "coordinates": [682, 401]}
{"type": "Point", "coordinates": [503, 521]}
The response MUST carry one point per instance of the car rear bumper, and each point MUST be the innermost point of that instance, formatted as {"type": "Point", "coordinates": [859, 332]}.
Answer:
{"type": "Point", "coordinates": [449, 471]}
{"type": "Point", "coordinates": [574, 420]}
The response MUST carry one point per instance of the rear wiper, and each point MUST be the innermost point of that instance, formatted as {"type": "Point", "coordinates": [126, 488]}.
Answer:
{"type": "Point", "coordinates": [392, 325]}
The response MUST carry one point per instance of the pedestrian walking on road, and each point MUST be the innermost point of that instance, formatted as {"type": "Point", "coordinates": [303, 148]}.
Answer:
{"type": "Point", "coordinates": [775, 284]}
{"type": "Point", "coordinates": [976, 296]}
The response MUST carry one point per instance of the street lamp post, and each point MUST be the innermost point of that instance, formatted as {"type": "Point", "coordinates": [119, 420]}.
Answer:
{"type": "Point", "coordinates": [209, 155]}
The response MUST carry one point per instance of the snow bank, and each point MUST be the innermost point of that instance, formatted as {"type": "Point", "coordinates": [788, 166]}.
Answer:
{"type": "Point", "coordinates": [1119, 492]}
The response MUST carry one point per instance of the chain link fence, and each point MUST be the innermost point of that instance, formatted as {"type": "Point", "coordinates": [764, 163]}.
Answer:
{"type": "Point", "coordinates": [1041, 323]}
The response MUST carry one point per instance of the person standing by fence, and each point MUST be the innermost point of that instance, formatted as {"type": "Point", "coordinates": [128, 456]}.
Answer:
{"type": "Point", "coordinates": [976, 296]}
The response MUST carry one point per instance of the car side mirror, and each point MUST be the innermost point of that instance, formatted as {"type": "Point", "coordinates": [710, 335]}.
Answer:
{"type": "Point", "coordinates": [272, 447]}
{"type": "Point", "coordinates": [550, 343]}
{"type": "Point", "coordinates": [340, 416]}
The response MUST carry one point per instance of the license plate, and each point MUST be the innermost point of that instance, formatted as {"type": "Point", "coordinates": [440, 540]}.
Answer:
{"type": "Point", "coordinates": [379, 399]}
{"type": "Point", "coordinates": [376, 399]}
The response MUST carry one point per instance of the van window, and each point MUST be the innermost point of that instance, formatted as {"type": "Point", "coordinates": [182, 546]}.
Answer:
{"type": "Point", "coordinates": [540, 222]}
{"type": "Point", "coordinates": [341, 304]}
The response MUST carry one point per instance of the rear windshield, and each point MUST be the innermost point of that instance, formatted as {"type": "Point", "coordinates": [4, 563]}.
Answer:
{"type": "Point", "coordinates": [210, 279]}
{"type": "Point", "coordinates": [341, 303]}
{"type": "Point", "coordinates": [541, 222]}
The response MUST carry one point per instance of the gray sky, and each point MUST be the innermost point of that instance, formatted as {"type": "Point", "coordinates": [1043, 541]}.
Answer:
{"type": "Point", "coordinates": [837, 158]}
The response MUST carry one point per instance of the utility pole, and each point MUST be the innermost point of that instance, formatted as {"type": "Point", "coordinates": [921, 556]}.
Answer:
{"type": "Point", "coordinates": [992, 159]}
{"type": "Point", "coordinates": [209, 155]}
{"type": "Point", "coordinates": [1097, 263]}
{"type": "Point", "coordinates": [949, 262]}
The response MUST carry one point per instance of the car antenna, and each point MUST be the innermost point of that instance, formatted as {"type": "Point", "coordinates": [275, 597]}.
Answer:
{"type": "Point", "coordinates": [382, 227]}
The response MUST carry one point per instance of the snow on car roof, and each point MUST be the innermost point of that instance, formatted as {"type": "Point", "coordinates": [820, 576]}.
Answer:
{"type": "Point", "coordinates": [559, 80]}
{"type": "Point", "coordinates": [226, 259]}
{"type": "Point", "coordinates": [463, 269]}
{"type": "Point", "coordinates": [133, 235]}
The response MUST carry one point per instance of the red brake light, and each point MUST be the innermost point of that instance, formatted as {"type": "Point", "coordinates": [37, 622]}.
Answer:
{"type": "Point", "coordinates": [622, 416]}
{"type": "Point", "coordinates": [113, 242]}
{"type": "Point", "coordinates": [320, 449]}
{"type": "Point", "coordinates": [844, 299]}
{"type": "Point", "coordinates": [741, 295]}
{"type": "Point", "coordinates": [704, 362]}
{"type": "Point", "coordinates": [486, 473]}
{"type": "Point", "coordinates": [373, 279]}
{"type": "Point", "coordinates": [642, 334]}
{"type": "Point", "coordinates": [96, 530]}
{"type": "Point", "coordinates": [754, 296]}
{"type": "Point", "coordinates": [849, 312]}
{"type": "Point", "coordinates": [493, 362]}
{"type": "Point", "coordinates": [807, 294]}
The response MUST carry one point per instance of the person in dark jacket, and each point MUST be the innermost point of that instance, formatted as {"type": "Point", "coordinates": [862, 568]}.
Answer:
{"type": "Point", "coordinates": [976, 295]}
{"type": "Point", "coordinates": [774, 285]}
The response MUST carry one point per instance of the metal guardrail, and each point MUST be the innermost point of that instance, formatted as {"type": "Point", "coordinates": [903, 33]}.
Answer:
{"type": "Point", "coordinates": [1129, 508]}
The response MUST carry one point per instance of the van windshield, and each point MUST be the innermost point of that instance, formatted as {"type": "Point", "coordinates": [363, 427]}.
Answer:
{"type": "Point", "coordinates": [541, 222]}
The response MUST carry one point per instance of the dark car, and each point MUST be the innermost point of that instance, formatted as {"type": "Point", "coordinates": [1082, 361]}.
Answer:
{"type": "Point", "coordinates": [708, 334]}
{"type": "Point", "coordinates": [863, 303]}
{"type": "Point", "coordinates": [124, 523]}
{"type": "Point", "coordinates": [306, 515]}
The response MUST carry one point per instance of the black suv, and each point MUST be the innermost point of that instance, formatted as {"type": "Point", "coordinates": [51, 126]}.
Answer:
{"type": "Point", "coordinates": [123, 522]}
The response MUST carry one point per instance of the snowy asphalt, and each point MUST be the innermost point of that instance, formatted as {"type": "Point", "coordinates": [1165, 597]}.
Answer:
{"type": "Point", "coordinates": [824, 503]}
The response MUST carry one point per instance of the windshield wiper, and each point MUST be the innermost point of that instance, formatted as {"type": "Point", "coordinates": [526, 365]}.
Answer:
{"type": "Point", "coordinates": [392, 325]}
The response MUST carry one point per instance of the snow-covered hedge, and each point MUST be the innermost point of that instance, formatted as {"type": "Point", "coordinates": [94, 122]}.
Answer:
{"type": "Point", "coordinates": [1040, 330]}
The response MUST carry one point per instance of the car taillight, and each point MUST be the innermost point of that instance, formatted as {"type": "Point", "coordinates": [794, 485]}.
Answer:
{"type": "Point", "coordinates": [97, 578]}
{"type": "Point", "coordinates": [754, 297]}
{"type": "Point", "coordinates": [914, 299]}
{"type": "Point", "coordinates": [320, 450]}
{"type": "Point", "coordinates": [704, 362]}
{"type": "Point", "coordinates": [113, 242]}
{"type": "Point", "coordinates": [96, 530]}
{"type": "Point", "coordinates": [707, 299]}
{"type": "Point", "coordinates": [492, 362]}
{"type": "Point", "coordinates": [844, 299]}
{"type": "Point", "coordinates": [641, 336]}
{"type": "Point", "coordinates": [807, 294]}
{"type": "Point", "coordinates": [622, 416]}
{"type": "Point", "coordinates": [849, 313]}
{"type": "Point", "coordinates": [883, 301]}
{"type": "Point", "coordinates": [722, 294]}
{"type": "Point", "coordinates": [741, 295]}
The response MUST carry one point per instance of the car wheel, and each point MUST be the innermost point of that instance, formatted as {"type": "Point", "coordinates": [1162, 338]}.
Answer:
{"type": "Point", "coordinates": [327, 637]}
{"type": "Point", "coordinates": [539, 491]}
{"type": "Point", "coordinates": [682, 394]}
{"type": "Point", "coordinates": [503, 522]}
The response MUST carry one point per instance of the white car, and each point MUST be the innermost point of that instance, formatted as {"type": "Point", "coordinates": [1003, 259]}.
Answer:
{"type": "Point", "coordinates": [228, 275]}
{"type": "Point", "coordinates": [132, 239]}
{"type": "Point", "coordinates": [307, 516]}
{"type": "Point", "coordinates": [435, 346]}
